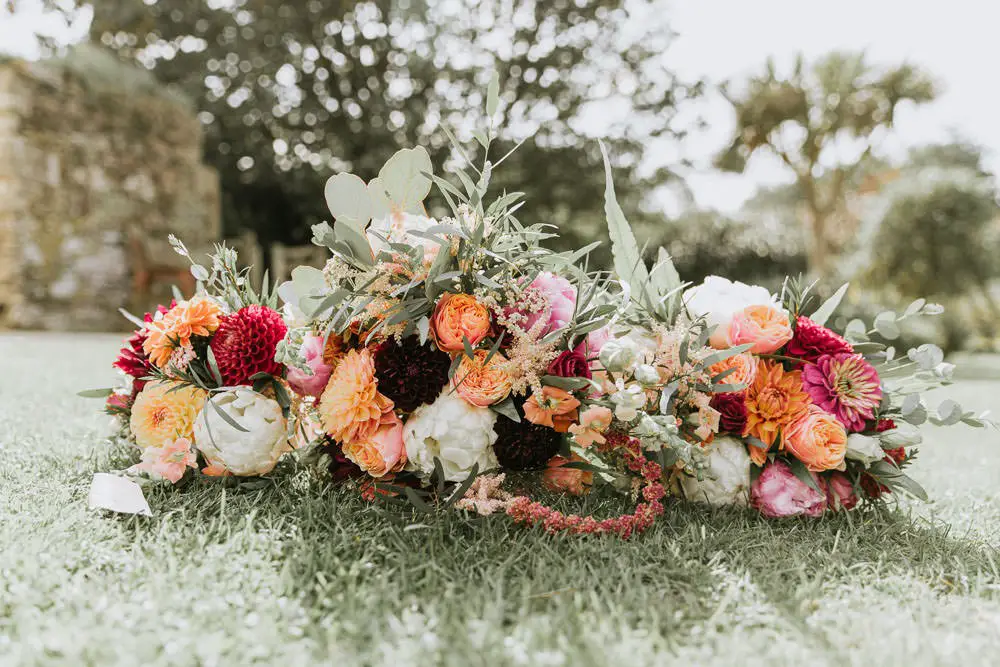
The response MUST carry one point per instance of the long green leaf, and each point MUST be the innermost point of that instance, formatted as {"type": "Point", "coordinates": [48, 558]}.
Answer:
{"type": "Point", "coordinates": [624, 248]}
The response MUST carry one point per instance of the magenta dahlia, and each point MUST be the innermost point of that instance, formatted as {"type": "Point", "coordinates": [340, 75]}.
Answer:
{"type": "Point", "coordinates": [811, 341]}
{"type": "Point", "coordinates": [732, 411]}
{"type": "Point", "coordinates": [846, 386]}
{"type": "Point", "coordinates": [245, 342]}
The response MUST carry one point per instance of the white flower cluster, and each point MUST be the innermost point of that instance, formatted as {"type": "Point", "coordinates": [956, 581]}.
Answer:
{"type": "Point", "coordinates": [456, 433]}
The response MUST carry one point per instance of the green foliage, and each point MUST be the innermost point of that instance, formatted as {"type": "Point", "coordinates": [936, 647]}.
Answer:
{"type": "Point", "coordinates": [937, 242]}
{"type": "Point", "coordinates": [293, 92]}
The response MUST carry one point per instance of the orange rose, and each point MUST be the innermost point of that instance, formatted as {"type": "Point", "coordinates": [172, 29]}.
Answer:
{"type": "Point", "coordinates": [744, 369]}
{"type": "Point", "coordinates": [482, 383]}
{"type": "Point", "coordinates": [459, 316]}
{"type": "Point", "coordinates": [817, 439]}
{"type": "Point", "coordinates": [383, 452]}
{"type": "Point", "coordinates": [559, 478]}
{"type": "Point", "coordinates": [765, 326]}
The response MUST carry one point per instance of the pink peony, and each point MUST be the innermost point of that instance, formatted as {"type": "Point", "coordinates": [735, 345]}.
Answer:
{"type": "Point", "coordinates": [812, 341]}
{"type": "Point", "coordinates": [840, 492]}
{"type": "Point", "coordinates": [846, 386]}
{"type": "Point", "coordinates": [778, 493]}
{"type": "Point", "coordinates": [556, 297]}
{"type": "Point", "coordinates": [302, 382]}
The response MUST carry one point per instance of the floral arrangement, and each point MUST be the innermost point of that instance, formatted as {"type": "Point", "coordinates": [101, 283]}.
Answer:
{"type": "Point", "coordinates": [435, 361]}
{"type": "Point", "coordinates": [201, 388]}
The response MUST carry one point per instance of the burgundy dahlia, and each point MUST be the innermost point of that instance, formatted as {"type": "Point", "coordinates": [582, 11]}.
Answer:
{"type": "Point", "coordinates": [812, 341]}
{"type": "Point", "coordinates": [732, 411]}
{"type": "Point", "coordinates": [132, 359]}
{"type": "Point", "coordinates": [523, 445]}
{"type": "Point", "coordinates": [409, 373]}
{"type": "Point", "coordinates": [570, 364]}
{"type": "Point", "coordinates": [245, 342]}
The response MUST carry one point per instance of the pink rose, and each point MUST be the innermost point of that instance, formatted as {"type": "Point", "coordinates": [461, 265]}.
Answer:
{"type": "Point", "coordinates": [303, 383]}
{"type": "Point", "coordinates": [383, 452]}
{"type": "Point", "coordinates": [590, 347]}
{"type": "Point", "coordinates": [840, 492]}
{"type": "Point", "coordinates": [778, 493]}
{"type": "Point", "coordinates": [552, 299]}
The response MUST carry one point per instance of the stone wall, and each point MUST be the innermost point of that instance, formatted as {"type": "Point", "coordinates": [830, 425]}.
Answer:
{"type": "Point", "coordinates": [92, 154]}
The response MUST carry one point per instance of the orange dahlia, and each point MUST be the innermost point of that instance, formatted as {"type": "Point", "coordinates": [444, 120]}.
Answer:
{"type": "Point", "coordinates": [351, 407]}
{"type": "Point", "coordinates": [774, 400]}
{"type": "Point", "coordinates": [163, 412]}
{"type": "Point", "coordinates": [197, 317]}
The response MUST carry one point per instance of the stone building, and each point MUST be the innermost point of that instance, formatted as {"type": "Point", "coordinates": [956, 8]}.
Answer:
{"type": "Point", "coordinates": [98, 164]}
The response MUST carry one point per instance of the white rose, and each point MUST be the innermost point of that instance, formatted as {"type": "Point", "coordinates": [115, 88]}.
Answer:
{"type": "Point", "coordinates": [726, 481]}
{"type": "Point", "coordinates": [249, 453]}
{"type": "Point", "coordinates": [864, 449]}
{"type": "Point", "coordinates": [718, 299]}
{"type": "Point", "coordinates": [451, 430]}
{"type": "Point", "coordinates": [396, 228]}
{"type": "Point", "coordinates": [620, 354]}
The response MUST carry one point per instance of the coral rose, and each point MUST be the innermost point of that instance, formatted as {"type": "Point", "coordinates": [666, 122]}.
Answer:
{"type": "Point", "coordinates": [817, 439]}
{"type": "Point", "coordinates": [352, 408]}
{"type": "Point", "coordinates": [741, 369]}
{"type": "Point", "coordinates": [480, 382]}
{"type": "Point", "coordinates": [554, 407]}
{"type": "Point", "coordinates": [766, 327]}
{"type": "Point", "coordinates": [778, 493]}
{"type": "Point", "coordinates": [560, 479]}
{"type": "Point", "coordinates": [457, 317]}
{"type": "Point", "coordinates": [383, 452]}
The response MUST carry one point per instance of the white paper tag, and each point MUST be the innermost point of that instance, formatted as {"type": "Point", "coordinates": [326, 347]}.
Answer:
{"type": "Point", "coordinates": [118, 494]}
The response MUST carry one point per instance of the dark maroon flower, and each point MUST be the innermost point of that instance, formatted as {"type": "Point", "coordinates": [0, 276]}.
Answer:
{"type": "Point", "coordinates": [872, 487]}
{"type": "Point", "coordinates": [570, 364]}
{"type": "Point", "coordinates": [812, 341]}
{"type": "Point", "coordinates": [732, 411]}
{"type": "Point", "coordinates": [341, 468]}
{"type": "Point", "coordinates": [523, 445]}
{"type": "Point", "coordinates": [410, 374]}
{"type": "Point", "coordinates": [132, 359]}
{"type": "Point", "coordinates": [245, 342]}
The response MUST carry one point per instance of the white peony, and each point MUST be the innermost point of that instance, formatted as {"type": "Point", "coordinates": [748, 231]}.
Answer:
{"type": "Point", "coordinates": [249, 453]}
{"type": "Point", "coordinates": [718, 299]}
{"type": "Point", "coordinates": [726, 481]}
{"type": "Point", "coordinates": [397, 228]}
{"type": "Point", "coordinates": [864, 449]}
{"type": "Point", "coordinates": [451, 430]}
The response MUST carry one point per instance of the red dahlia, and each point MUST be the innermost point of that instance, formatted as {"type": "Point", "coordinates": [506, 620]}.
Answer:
{"type": "Point", "coordinates": [245, 342]}
{"type": "Point", "coordinates": [884, 425]}
{"type": "Point", "coordinates": [811, 341]}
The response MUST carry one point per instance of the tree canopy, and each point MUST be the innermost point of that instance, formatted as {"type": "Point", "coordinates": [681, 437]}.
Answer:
{"type": "Point", "coordinates": [292, 92]}
{"type": "Point", "coordinates": [839, 104]}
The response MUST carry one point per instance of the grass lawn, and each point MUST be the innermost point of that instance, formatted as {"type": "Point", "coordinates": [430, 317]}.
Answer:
{"type": "Point", "coordinates": [296, 573]}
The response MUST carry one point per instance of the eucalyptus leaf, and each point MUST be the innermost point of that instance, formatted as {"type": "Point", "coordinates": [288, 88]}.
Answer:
{"type": "Point", "coordinates": [95, 393]}
{"type": "Point", "coordinates": [886, 326]}
{"type": "Point", "coordinates": [403, 178]}
{"type": "Point", "coordinates": [829, 306]}
{"type": "Point", "coordinates": [348, 199]}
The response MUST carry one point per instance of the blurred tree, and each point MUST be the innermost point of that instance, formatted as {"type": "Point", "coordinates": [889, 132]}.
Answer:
{"type": "Point", "coordinates": [293, 92]}
{"type": "Point", "coordinates": [840, 103]}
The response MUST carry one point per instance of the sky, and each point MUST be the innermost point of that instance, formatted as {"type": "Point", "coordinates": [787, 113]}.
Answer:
{"type": "Point", "coordinates": [718, 40]}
